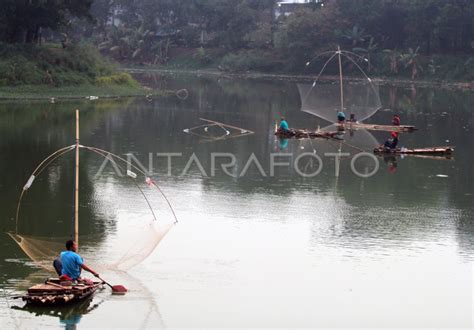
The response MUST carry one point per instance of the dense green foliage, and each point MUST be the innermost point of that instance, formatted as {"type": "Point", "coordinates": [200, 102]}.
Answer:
{"type": "Point", "coordinates": [25, 62]}
{"type": "Point", "coordinates": [413, 38]}
{"type": "Point", "coordinates": [55, 66]}
{"type": "Point", "coordinates": [410, 38]}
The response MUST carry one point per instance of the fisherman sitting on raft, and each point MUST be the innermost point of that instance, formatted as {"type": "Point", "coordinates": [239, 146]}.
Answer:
{"type": "Point", "coordinates": [70, 263]}
{"type": "Point", "coordinates": [391, 143]}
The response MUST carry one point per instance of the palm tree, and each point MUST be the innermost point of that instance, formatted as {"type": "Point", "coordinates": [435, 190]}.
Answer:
{"type": "Point", "coordinates": [394, 57]}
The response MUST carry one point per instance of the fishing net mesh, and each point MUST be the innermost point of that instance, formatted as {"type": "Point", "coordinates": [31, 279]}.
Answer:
{"type": "Point", "coordinates": [361, 98]}
{"type": "Point", "coordinates": [135, 253]}
{"type": "Point", "coordinates": [355, 141]}
{"type": "Point", "coordinates": [40, 250]}
{"type": "Point", "coordinates": [121, 252]}
{"type": "Point", "coordinates": [124, 226]}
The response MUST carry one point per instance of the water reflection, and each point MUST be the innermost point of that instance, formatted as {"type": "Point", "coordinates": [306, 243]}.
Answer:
{"type": "Point", "coordinates": [69, 317]}
{"type": "Point", "coordinates": [144, 314]}
{"type": "Point", "coordinates": [375, 230]}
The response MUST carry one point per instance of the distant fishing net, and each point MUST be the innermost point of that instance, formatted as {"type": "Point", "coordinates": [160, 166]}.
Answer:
{"type": "Point", "coordinates": [214, 131]}
{"type": "Point", "coordinates": [360, 97]}
{"type": "Point", "coordinates": [346, 146]}
{"type": "Point", "coordinates": [355, 141]}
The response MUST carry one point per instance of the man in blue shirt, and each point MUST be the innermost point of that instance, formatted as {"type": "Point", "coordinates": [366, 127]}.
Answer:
{"type": "Point", "coordinates": [72, 262]}
{"type": "Point", "coordinates": [284, 125]}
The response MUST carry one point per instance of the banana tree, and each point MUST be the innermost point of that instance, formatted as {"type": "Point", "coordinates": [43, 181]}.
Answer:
{"type": "Point", "coordinates": [368, 51]}
{"type": "Point", "coordinates": [412, 60]}
{"type": "Point", "coordinates": [355, 36]}
{"type": "Point", "coordinates": [394, 57]}
{"type": "Point", "coordinates": [128, 43]}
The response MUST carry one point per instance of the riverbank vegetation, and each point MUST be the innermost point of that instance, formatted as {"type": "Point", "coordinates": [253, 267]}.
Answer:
{"type": "Point", "coordinates": [62, 43]}
{"type": "Point", "coordinates": [51, 71]}
{"type": "Point", "coordinates": [414, 39]}
{"type": "Point", "coordinates": [31, 67]}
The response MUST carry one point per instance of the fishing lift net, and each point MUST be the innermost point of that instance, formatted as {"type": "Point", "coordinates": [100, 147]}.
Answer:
{"type": "Point", "coordinates": [41, 250]}
{"type": "Point", "coordinates": [339, 148]}
{"type": "Point", "coordinates": [143, 216]}
{"type": "Point", "coordinates": [359, 95]}
{"type": "Point", "coordinates": [348, 143]}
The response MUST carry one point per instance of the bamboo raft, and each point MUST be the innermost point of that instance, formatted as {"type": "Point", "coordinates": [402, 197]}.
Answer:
{"type": "Point", "coordinates": [55, 292]}
{"type": "Point", "coordinates": [305, 134]}
{"type": "Point", "coordinates": [443, 150]}
{"type": "Point", "coordinates": [373, 127]}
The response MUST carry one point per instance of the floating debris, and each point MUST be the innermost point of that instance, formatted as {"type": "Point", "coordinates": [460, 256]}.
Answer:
{"type": "Point", "coordinates": [442, 176]}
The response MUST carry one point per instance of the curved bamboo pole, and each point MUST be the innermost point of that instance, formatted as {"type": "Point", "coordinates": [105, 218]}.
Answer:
{"type": "Point", "coordinates": [340, 77]}
{"type": "Point", "coordinates": [37, 171]}
{"type": "Point", "coordinates": [76, 185]}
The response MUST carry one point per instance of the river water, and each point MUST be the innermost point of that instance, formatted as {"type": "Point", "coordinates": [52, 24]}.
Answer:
{"type": "Point", "coordinates": [255, 246]}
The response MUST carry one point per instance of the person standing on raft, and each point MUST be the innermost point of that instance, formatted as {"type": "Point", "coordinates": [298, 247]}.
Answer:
{"type": "Point", "coordinates": [341, 117]}
{"type": "Point", "coordinates": [396, 120]}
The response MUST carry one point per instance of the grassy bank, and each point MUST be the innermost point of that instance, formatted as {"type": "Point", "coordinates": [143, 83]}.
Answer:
{"type": "Point", "coordinates": [31, 71]}
{"type": "Point", "coordinates": [69, 92]}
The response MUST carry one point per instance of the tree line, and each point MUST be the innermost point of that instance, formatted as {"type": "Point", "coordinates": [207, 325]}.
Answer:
{"type": "Point", "coordinates": [247, 34]}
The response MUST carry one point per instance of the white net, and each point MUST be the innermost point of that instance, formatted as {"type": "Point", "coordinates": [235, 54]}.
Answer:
{"type": "Point", "coordinates": [323, 100]}
{"type": "Point", "coordinates": [359, 95]}
{"type": "Point", "coordinates": [133, 216]}
{"type": "Point", "coordinates": [128, 248]}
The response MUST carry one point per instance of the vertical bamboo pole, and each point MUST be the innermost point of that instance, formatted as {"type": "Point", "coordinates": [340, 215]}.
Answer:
{"type": "Point", "coordinates": [340, 78]}
{"type": "Point", "coordinates": [76, 185]}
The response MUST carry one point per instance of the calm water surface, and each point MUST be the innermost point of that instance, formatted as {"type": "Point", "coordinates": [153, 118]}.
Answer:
{"type": "Point", "coordinates": [392, 250]}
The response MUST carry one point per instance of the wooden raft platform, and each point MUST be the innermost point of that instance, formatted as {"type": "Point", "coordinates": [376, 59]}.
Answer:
{"type": "Point", "coordinates": [443, 150]}
{"type": "Point", "coordinates": [305, 134]}
{"type": "Point", "coordinates": [373, 127]}
{"type": "Point", "coordinates": [54, 292]}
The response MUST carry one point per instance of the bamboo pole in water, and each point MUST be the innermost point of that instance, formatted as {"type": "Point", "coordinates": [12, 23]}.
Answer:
{"type": "Point", "coordinates": [340, 78]}
{"type": "Point", "coordinates": [76, 186]}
